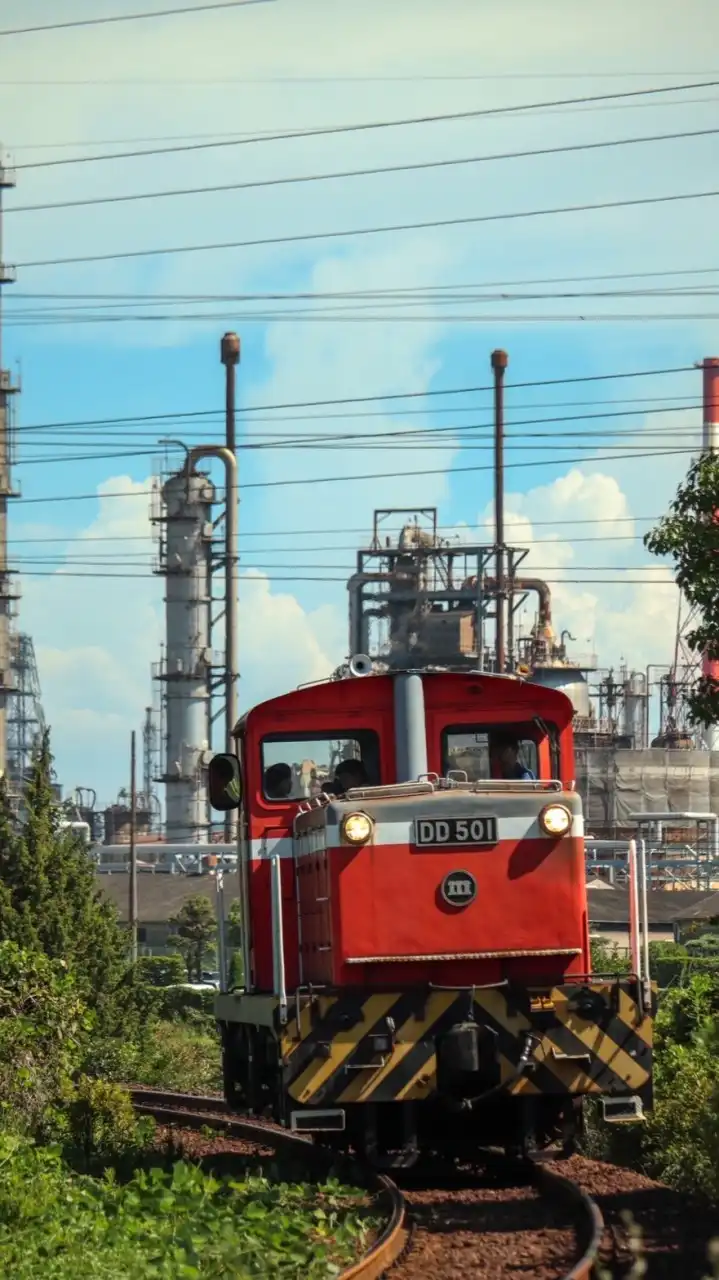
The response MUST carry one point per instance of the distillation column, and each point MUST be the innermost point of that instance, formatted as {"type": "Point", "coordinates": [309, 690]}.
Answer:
{"type": "Point", "coordinates": [7, 390]}
{"type": "Point", "coordinates": [186, 565]}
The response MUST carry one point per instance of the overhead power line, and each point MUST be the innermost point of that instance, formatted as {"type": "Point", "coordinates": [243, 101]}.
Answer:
{"type": "Point", "coordinates": [399, 291]}
{"type": "Point", "coordinates": [444, 529]}
{"type": "Point", "coordinates": [61, 574]}
{"type": "Point", "coordinates": [309, 236]}
{"type": "Point", "coordinates": [131, 17]}
{"type": "Point", "coordinates": [382, 475]}
{"type": "Point", "coordinates": [361, 173]}
{"type": "Point", "coordinates": [418, 78]}
{"type": "Point", "coordinates": [367, 126]}
{"type": "Point", "coordinates": [182, 414]}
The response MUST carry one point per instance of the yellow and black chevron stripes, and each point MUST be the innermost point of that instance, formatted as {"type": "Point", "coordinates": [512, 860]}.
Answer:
{"type": "Point", "coordinates": [330, 1056]}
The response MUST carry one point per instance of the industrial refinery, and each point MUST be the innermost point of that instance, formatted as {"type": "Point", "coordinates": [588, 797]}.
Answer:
{"type": "Point", "coordinates": [417, 600]}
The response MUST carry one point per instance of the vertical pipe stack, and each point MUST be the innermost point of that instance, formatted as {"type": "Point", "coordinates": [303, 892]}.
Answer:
{"type": "Point", "coordinates": [500, 360]}
{"type": "Point", "coordinates": [7, 389]}
{"type": "Point", "coordinates": [710, 444]}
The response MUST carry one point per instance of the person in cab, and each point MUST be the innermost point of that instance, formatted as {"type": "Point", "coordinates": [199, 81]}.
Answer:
{"type": "Point", "coordinates": [506, 761]}
{"type": "Point", "coordinates": [278, 782]}
{"type": "Point", "coordinates": [349, 774]}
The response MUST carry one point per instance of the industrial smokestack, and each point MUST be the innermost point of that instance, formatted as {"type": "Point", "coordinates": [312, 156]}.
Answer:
{"type": "Point", "coordinates": [230, 357]}
{"type": "Point", "coordinates": [710, 444]}
{"type": "Point", "coordinates": [500, 360]}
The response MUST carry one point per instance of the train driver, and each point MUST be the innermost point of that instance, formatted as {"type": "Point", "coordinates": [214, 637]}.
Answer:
{"type": "Point", "coordinates": [505, 759]}
{"type": "Point", "coordinates": [278, 782]}
{"type": "Point", "coordinates": [348, 774]}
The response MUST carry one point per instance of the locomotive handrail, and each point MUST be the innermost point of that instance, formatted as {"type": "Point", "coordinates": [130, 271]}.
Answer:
{"type": "Point", "coordinates": [501, 785]}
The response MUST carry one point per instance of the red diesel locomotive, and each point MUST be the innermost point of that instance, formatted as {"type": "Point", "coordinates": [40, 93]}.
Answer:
{"type": "Point", "coordinates": [416, 939]}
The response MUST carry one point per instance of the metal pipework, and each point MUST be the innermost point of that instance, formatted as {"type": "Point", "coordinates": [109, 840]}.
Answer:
{"type": "Point", "coordinates": [410, 727]}
{"type": "Point", "coordinates": [500, 360]}
{"type": "Point", "coordinates": [232, 504]}
{"type": "Point", "coordinates": [542, 589]}
{"type": "Point", "coordinates": [359, 643]}
{"type": "Point", "coordinates": [673, 818]}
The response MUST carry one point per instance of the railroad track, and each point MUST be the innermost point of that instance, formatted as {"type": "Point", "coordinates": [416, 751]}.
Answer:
{"type": "Point", "coordinates": [396, 1242]}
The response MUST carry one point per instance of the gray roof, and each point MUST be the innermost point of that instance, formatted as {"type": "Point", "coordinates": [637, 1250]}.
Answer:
{"type": "Point", "coordinates": [160, 895]}
{"type": "Point", "coordinates": [663, 905]}
{"type": "Point", "coordinates": [707, 909]}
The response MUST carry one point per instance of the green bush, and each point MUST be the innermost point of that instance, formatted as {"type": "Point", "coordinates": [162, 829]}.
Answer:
{"type": "Point", "coordinates": [42, 1026]}
{"type": "Point", "coordinates": [607, 957]}
{"type": "Point", "coordinates": [160, 971]}
{"type": "Point", "coordinates": [176, 1055]}
{"type": "Point", "coordinates": [100, 1124]}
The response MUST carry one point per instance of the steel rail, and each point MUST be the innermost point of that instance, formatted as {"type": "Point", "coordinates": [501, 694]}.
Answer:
{"type": "Point", "coordinates": [591, 1224]}
{"type": "Point", "coordinates": [196, 1112]}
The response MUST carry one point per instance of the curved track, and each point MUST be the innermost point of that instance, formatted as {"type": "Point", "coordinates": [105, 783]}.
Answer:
{"type": "Point", "coordinates": [191, 1111]}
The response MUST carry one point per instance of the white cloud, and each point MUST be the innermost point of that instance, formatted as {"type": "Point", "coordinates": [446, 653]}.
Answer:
{"type": "Point", "coordinates": [614, 598]}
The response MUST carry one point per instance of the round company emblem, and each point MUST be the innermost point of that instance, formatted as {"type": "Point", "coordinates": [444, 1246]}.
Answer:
{"type": "Point", "coordinates": [459, 888]}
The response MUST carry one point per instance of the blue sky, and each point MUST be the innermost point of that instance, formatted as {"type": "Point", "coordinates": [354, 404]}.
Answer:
{"type": "Point", "coordinates": [298, 64]}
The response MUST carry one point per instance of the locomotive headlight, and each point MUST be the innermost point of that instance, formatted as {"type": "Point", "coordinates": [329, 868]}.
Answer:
{"type": "Point", "coordinates": [356, 828]}
{"type": "Point", "coordinates": [555, 820]}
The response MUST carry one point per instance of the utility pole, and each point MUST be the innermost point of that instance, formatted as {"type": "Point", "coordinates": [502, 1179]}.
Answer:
{"type": "Point", "coordinates": [220, 910]}
{"type": "Point", "coordinates": [710, 445]}
{"type": "Point", "coordinates": [133, 845]}
{"type": "Point", "coordinates": [500, 360]}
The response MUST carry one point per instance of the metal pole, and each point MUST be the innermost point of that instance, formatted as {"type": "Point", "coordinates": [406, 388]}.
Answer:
{"type": "Point", "coordinates": [500, 360]}
{"type": "Point", "coordinates": [220, 905]}
{"type": "Point", "coordinates": [133, 847]}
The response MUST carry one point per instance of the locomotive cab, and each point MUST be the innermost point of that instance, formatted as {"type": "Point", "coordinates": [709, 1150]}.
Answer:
{"type": "Point", "coordinates": [415, 941]}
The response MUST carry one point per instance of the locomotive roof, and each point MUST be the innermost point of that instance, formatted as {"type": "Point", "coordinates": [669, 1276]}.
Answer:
{"type": "Point", "coordinates": [510, 692]}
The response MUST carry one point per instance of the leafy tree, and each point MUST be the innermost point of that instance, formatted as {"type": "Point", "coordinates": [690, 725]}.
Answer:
{"type": "Point", "coordinates": [195, 930]}
{"type": "Point", "coordinates": [234, 939]}
{"type": "Point", "coordinates": [690, 534]}
{"type": "Point", "coordinates": [49, 900]}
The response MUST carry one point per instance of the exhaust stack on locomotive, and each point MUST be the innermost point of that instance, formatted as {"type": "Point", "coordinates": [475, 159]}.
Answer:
{"type": "Point", "coordinates": [416, 935]}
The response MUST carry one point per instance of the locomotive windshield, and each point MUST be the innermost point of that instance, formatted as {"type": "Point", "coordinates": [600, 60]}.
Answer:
{"type": "Point", "coordinates": [493, 751]}
{"type": "Point", "coordinates": [299, 766]}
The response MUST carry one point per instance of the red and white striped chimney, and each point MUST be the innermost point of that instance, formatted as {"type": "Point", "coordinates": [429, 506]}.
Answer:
{"type": "Point", "coordinates": [710, 444]}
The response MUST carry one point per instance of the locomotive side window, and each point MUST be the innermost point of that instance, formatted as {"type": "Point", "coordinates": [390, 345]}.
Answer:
{"type": "Point", "coordinates": [468, 749]}
{"type": "Point", "coordinates": [299, 766]}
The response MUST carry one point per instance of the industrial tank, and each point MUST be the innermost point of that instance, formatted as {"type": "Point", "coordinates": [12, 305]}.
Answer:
{"type": "Point", "coordinates": [569, 680]}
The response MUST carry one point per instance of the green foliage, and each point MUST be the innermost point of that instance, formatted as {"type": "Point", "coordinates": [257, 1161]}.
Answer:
{"type": "Point", "coordinates": [690, 535]}
{"type": "Point", "coordinates": [195, 929]}
{"type": "Point", "coordinates": [160, 971]}
{"type": "Point", "coordinates": [42, 1023]}
{"type": "Point", "coordinates": [168, 1055]}
{"type": "Point", "coordinates": [48, 898]}
{"type": "Point", "coordinates": [100, 1125]}
{"type": "Point", "coordinates": [681, 1143]}
{"type": "Point", "coordinates": [607, 957]}
{"type": "Point", "coordinates": [234, 939]}
{"type": "Point", "coordinates": [163, 1226]}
